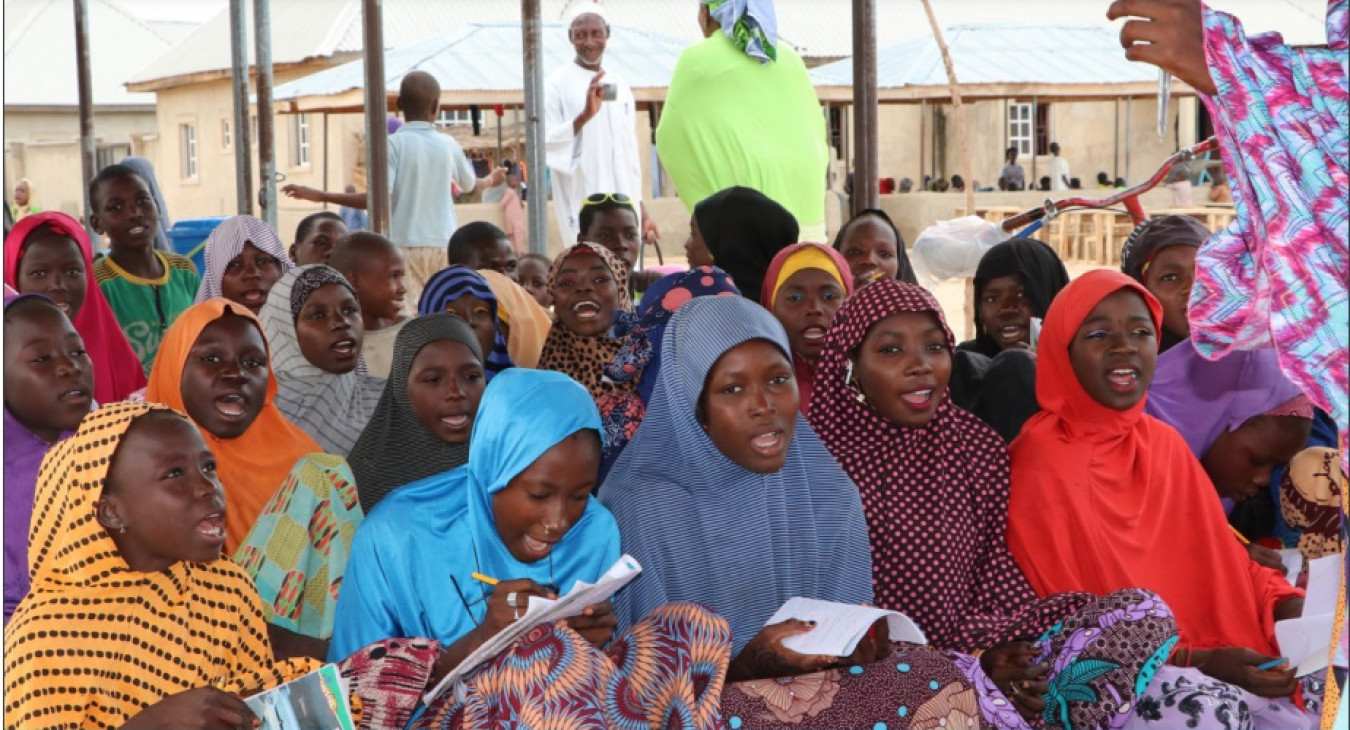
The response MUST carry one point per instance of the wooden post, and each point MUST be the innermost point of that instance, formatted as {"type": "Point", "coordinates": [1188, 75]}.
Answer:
{"type": "Point", "coordinates": [865, 190]}
{"type": "Point", "coordinates": [377, 113]}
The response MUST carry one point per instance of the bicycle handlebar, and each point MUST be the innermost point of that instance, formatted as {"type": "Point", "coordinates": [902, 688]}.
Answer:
{"type": "Point", "coordinates": [1129, 195]}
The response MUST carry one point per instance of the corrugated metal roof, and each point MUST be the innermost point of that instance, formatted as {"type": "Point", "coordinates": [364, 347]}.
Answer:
{"type": "Point", "coordinates": [488, 57]}
{"type": "Point", "coordinates": [817, 29]}
{"type": "Point", "coordinates": [1000, 54]}
{"type": "Point", "coordinates": [40, 52]}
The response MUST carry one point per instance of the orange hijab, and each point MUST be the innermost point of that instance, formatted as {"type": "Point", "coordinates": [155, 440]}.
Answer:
{"type": "Point", "coordinates": [253, 466]}
{"type": "Point", "coordinates": [1105, 499]}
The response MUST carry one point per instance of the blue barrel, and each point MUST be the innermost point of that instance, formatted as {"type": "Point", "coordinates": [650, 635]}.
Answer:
{"type": "Point", "coordinates": [189, 238]}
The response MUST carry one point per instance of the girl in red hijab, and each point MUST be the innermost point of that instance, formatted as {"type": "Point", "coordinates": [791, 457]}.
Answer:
{"type": "Point", "coordinates": [1107, 497]}
{"type": "Point", "coordinates": [49, 253]}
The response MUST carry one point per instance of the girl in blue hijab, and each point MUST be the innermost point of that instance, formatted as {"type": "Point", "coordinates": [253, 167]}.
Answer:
{"type": "Point", "coordinates": [446, 291]}
{"type": "Point", "coordinates": [727, 497]}
{"type": "Point", "coordinates": [521, 512]}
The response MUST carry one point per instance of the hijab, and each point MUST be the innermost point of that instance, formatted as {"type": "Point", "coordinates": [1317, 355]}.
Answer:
{"type": "Point", "coordinates": [1105, 500]}
{"type": "Point", "coordinates": [331, 408]}
{"type": "Point", "coordinates": [905, 270]}
{"type": "Point", "coordinates": [1042, 273]}
{"type": "Point", "coordinates": [528, 323]}
{"type": "Point", "coordinates": [949, 568]}
{"type": "Point", "coordinates": [139, 637]}
{"type": "Point", "coordinates": [394, 449]}
{"type": "Point", "coordinates": [1156, 234]}
{"type": "Point", "coordinates": [744, 229]}
{"type": "Point", "coordinates": [707, 529]}
{"type": "Point", "coordinates": [789, 261]}
{"type": "Point", "coordinates": [585, 358]}
{"type": "Point", "coordinates": [23, 455]}
{"type": "Point", "coordinates": [117, 369]}
{"type": "Point", "coordinates": [750, 25]}
{"type": "Point", "coordinates": [143, 168]}
{"type": "Point", "coordinates": [252, 466]}
{"type": "Point", "coordinates": [445, 287]}
{"type": "Point", "coordinates": [1202, 398]}
{"type": "Point", "coordinates": [396, 584]}
{"type": "Point", "coordinates": [227, 241]}
{"type": "Point", "coordinates": [639, 356]}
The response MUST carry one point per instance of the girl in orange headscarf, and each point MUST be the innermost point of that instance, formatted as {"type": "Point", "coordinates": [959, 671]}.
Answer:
{"type": "Point", "coordinates": [1106, 497]}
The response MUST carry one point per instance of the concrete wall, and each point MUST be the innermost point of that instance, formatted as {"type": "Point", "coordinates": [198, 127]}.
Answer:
{"type": "Point", "coordinates": [1086, 131]}
{"type": "Point", "coordinates": [44, 146]}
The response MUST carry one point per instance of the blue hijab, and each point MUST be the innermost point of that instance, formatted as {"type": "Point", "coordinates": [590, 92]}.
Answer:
{"type": "Point", "coordinates": [447, 286]}
{"type": "Point", "coordinates": [413, 556]}
{"type": "Point", "coordinates": [708, 530]}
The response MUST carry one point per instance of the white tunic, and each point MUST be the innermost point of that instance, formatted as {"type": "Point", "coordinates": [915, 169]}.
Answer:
{"type": "Point", "coordinates": [603, 158]}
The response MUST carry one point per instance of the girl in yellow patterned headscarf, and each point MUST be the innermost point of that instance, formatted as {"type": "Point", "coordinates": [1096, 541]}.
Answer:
{"type": "Point", "coordinates": [131, 611]}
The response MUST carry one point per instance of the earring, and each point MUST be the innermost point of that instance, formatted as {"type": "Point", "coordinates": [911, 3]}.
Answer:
{"type": "Point", "coordinates": [122, 530]}
{"type": "Point", "coordinates": [848, 373]}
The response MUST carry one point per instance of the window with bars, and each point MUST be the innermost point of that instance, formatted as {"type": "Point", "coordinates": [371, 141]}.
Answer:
{"type": "Point", "coordinates": [299, 140]}
{"type": "Point", "coordinates": [187, 148]}
{"type": "Point", "coordinates": [1020, 127]}
{"type": "Point", "coordinates": [454, 118]}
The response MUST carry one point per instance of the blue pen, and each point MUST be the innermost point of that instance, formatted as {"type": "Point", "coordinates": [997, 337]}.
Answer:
{"type": "Point", "coordinates": [1271, 664]}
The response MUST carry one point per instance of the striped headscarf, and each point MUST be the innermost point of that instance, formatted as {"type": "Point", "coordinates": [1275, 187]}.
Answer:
{"type": "Point", "coordinates": [446, 287]}
{"type": "Point", "coordinates": [139, 637]}
{"type": "Point", "coordinates": [700, 524]}
{"type": "Point", "coordinates": [395, 449]}
{"type": "Point", "coordinates": [227, 241]}
{"type": "Point", "coordinates": [331, 408]}
{"type": "Point", "coordinates": [585, 358]}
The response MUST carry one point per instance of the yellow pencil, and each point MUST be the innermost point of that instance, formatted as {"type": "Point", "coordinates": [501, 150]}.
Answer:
{"type": "Point", "coordinates": [484, 579]}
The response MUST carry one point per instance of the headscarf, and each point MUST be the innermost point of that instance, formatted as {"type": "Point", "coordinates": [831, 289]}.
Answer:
{"type": "Point", "coordinates": [904, 268]}
{"type": "Point", "coordinates": [1105, 500]}
{"type": "Point", "coordinates": [19, 212]}
{"type": "Point", "coordinates": [143, 168]}
{"type": "Point", "coordinates": [639, 356]}
{"type": "Point", "coordinates": [331, 408]}
{"type": "Point", "coordinates": [585, 358]}
{"type": "Point", "coordinates": [1202, 398]}
{"type": "Point", "coordinates": [947, 483]}
{"type": "Point", "coordinates": [528, 322]}
{"type": "Point", "coordinates": [1155, 234]}
{"type": "Point", "coordinates": [705, 528]}
{"type": "Point", "coordinates": [751, 25]}
{"type": "Point", "coordinates": [227, 241]}
{"type": "Point", "coordinates": [23, 455]}
{"type": "Point", "coordinates": [139, 637]}
{"type": "Point", "coordinates": [1042, 273]}
{"type": "Point", "coordinates": [788, 262]}
{"type": "Point", "coordinates": [394, 449]}
{"type": "Point", "coordinates": [253, 465]}
{"type": "Point", "coordinates": [446, 287]}
{"type": "Point", "coordinates": [445, 523]}
{"type": "Point", "coordinates": [117, 369]}
{"type": "Point", "coordinates": [744, 229]}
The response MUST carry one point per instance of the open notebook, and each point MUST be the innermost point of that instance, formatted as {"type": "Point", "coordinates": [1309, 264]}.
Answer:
{"type": "Point", "coordinates": [840, 626]}
{"type": "Point", "coordinates": [544, 611]}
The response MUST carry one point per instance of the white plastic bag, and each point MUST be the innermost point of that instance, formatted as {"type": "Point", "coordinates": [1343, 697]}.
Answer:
{"type": "Point", "coordinates": [952, 249]}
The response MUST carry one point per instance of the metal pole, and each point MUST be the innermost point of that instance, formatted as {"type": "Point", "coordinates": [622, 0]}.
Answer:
{"type": "Point", "coordinates": [325, 153]}
{"type": "Point", "coordinates": [1129, 134]}
{"type": "Point", "coordinates": [534, 125]}
{"type": "Point", "coordinates": [377, 110]}
{"type": "Point", "coordinates": [243, 158]}
{"type": "Point", "coordinates": [1034, 150]}
{"type": "Point", "coordinates": [267, 164]}
{"type": "Point", "coordinates": [1115, 144]}
{"type": "Point", "coordinates": [88, 158]}
{"type": "Point", "coordinates": [865, 192]}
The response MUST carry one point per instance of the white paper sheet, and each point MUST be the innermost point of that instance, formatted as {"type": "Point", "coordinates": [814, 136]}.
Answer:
{"type": "Point", "coordinates": [1293, 564]}
{"type": "Point", "coordinates": [840, 626]}
{"type": "Point", "coordinates": [1324, 584]}
{"type": "Point", "coordinates": [545, 611]}
{"type": "Point", "coordinates": [1306, 641]}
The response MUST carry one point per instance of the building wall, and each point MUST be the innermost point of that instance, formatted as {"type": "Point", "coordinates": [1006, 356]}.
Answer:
{"type": "Point", "coordinates": [1086, 131]}
{"type": "Point", "coordinates": [44, 147]}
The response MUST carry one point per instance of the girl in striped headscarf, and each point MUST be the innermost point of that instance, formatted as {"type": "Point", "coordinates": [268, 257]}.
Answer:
{"type": "Point", "coordinates": [462, 292]}
{"type": "Point", "coordinates": [244, 260]}
{"type": "Point", "coordinates": [313, 325]}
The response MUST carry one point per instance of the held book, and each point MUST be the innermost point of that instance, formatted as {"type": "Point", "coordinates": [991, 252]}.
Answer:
{"type": "Point", "coordinates": [544, 611]}
{"type": "Point", "coordinates": [840, 626]}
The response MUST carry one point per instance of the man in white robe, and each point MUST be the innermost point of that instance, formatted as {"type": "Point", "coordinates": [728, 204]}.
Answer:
{"type": "Point", "coordinates": [591, 144]}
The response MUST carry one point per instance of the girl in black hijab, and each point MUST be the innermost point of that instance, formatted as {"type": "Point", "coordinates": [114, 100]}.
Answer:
{"type": "Point", "coordinates": [742, 229]}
